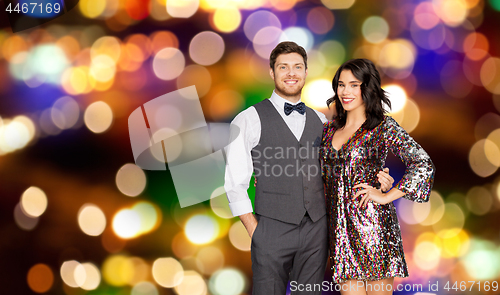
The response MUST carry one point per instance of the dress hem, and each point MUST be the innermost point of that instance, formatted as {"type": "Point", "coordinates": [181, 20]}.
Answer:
{"type": "Point", "coordinates": [372, 279]}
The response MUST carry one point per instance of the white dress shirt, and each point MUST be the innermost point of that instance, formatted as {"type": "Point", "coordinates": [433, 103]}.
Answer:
{"type": "Point", "coordinates": [239, 165]}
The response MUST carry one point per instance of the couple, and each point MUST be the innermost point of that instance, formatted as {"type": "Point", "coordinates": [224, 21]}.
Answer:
{"type": "Point", "coordinates": [299, 158]}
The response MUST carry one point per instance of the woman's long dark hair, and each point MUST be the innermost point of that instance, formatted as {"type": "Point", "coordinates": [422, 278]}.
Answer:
{"type": "Point", "coordinates": [373, 95]}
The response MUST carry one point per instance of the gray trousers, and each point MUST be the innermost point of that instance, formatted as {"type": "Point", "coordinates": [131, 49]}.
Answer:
{"type": "Point", "coordinates": [282, 251]}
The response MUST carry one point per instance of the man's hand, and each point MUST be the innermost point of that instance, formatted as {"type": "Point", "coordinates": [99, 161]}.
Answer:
{"type": "Point", "coordinates": [250, 223]}
{"type": "Point", "coordinates": [385, 180]}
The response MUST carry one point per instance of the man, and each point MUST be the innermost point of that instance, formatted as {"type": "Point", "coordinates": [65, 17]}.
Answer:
{"type": "Point", "coordinates": [279, 139]}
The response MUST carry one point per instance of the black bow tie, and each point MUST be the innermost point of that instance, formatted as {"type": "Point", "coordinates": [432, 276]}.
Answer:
{"type": "Point", "coordinates": [300, 108]}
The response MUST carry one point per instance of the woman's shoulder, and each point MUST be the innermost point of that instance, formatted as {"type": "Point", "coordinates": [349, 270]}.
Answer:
{"type": "Point", "coordinates": [391, 127]}
{"type": "Point", "coordinates": [384, 125]}
{"type": "Point", "coordinates": [388, 118]}
{"type": "Point", "coordinates": [390, 121]}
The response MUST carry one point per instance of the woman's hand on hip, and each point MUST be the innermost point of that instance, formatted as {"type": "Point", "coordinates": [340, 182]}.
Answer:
{"type": "Point", "coordinates": [370, 193]}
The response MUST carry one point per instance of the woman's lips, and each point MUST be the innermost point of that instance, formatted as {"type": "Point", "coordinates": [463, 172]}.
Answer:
{"type": "Point", "coordinates": [347, 100]}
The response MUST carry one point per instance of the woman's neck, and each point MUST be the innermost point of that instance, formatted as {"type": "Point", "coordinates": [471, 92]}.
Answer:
{"type": "Point", "coordinates": [355, 117]}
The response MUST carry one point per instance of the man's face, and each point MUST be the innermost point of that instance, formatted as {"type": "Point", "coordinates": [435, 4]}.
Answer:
{"type": "Point", "coordinates": [289, 75]}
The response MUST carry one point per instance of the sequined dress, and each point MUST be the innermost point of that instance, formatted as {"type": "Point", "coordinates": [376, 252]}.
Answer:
{"type": "Point", "coordinates": [365, 243]}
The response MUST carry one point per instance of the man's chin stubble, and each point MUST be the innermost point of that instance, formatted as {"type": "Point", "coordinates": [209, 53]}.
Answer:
{"type": "Point", "coordinates": [286, 93]}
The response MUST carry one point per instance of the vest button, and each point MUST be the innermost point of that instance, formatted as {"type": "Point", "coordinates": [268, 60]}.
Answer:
{"type": "Point", "coordinates": [307, 202]}
{"type": "Point", "coordinates": [305, 188]}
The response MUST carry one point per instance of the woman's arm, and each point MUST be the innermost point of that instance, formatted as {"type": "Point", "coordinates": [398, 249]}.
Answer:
{"type": "Point", "coordinates": [371, 193]}
{"type": "Point", "coordinates": [416, 183]}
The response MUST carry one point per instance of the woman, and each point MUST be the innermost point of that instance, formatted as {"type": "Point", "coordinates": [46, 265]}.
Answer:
{"type": "Point", "coordinates": [366, 250]}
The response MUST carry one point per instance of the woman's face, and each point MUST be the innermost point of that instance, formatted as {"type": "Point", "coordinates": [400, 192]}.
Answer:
{"type": "Point", "coordinates": [349, 91]}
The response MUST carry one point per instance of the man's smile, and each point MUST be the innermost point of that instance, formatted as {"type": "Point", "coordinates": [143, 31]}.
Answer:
{"type": "Point", "coordinates": [291, 81]}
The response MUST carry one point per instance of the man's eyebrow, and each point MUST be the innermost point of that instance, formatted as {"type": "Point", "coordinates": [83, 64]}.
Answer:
{"type": "Point", "coordinates": [285, 63]}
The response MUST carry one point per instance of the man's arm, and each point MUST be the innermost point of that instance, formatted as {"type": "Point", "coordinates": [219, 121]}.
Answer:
{"type": "Point", "coordinates": [250, 223]}
{"type": "Point", "coordinates": [239, 166]}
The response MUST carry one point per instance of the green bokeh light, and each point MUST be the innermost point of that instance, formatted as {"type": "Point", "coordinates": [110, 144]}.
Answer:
{"type": "Point", "coordinates": [495, 4]}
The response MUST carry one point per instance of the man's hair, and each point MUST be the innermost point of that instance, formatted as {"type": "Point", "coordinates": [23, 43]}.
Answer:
{"type": "Point", "coordinates": [285, 48]}
{"type": "Point", "coordinates": [373, 95]}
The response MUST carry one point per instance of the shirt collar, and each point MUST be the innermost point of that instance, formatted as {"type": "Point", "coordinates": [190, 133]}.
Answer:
{"type": "Point", "coordinates": [280, 101]}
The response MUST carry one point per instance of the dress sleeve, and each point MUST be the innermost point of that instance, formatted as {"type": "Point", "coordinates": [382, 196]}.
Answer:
{"type": "Point", "coordinates": [418, 179]}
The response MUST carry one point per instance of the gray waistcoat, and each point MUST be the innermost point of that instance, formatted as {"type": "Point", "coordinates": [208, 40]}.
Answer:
{"type": "Point", "coordinates": [288, 171]}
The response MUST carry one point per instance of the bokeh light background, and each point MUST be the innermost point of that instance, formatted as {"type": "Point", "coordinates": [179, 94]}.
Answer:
{"type": "Point", "coordinates": [77, 216]}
